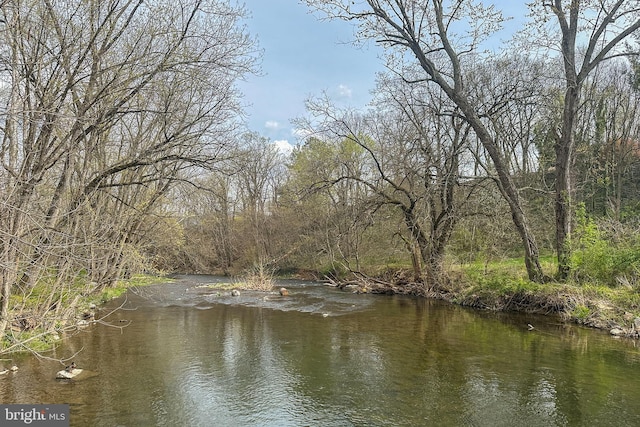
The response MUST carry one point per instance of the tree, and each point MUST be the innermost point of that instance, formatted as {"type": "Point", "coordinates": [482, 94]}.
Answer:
{"type": "Point", "coordinates": [410, 144]}
{"type": "Point", "coordinates": [326, 173]}
{"type": "Point", "coordinates": [424, 140]}
{"type": "Point", "coordinates": [603, 27]}
{"type": "Point", "coordinates": [427, 31]}
{"type": "Point", "coordinates": [258, 168]}
{"type": "Point", "coordinates": [107, 106]}
{"type": "Point", "coordinates": [607, 138]}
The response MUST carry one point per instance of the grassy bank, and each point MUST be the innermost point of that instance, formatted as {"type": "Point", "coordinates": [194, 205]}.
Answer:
{"type": "Point", "coordinates": [503, 286]}
{"type": "Point", "coordinates": [75, 307]}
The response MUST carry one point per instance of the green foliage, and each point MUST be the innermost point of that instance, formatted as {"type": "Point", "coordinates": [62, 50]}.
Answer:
{"type": "Point", "coordinates": [598, 258]}
{"type": "Point", "coordinates": [503, 272]}
{"type": "Point", "coordinates": [34, 340]}
{"type": "Point", "coordinates": [76, 295]}
{"type": "Point", "coordinates": [581, 312]}
{"type": "Point", "coordinates": [631, 210]}
{"type": "Point", "coordinates": [590, 258]}
{"type": "Point", "coordinates": [121, 287]}
{"type": "Point", "coordinates": [49, 287]}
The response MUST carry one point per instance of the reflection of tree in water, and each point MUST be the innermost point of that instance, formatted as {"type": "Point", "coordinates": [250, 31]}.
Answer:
{"type": "Point", "coordinates": [399, 361]}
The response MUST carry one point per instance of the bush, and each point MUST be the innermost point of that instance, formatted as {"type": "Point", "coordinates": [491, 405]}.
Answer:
{"type": "Point", "coordinates": [259, 278]}
{"type": "Point", "coordinates": [605, 257]}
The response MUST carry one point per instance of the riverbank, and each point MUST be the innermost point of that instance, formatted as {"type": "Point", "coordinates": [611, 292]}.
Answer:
{"type": "Point", "coordinates": [613, 309]}
{"type": "Point", "coordinates": [324, 354]}
{"type": "Point", "coordinates": [33, 331]}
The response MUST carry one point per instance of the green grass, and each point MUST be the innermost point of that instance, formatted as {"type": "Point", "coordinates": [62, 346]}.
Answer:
{"type": "Point", "coordinates": [591, 303]}
{"type": "Point", "coordinates": [39, 339]}
{"type": "Point", "coordinates": [504, 284]}
{"type": "Point", "coordinates": [121, 287]}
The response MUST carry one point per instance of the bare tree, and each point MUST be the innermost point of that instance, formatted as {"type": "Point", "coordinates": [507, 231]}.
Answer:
{"type": "Point", "coordinates": [606, 136]}
{"type": "Point", "coordinates": [412, 141]}
{"type": "Point", "coordinates": [257, 167]}
{"type": "Point", "coordinates": [107, 105]}
{"type": "Point", "coordinates": [601, 27]}
{"type": "Point", "coordinates": [429, 138]}
{"type": "Point", "coordinates": [443, 36]}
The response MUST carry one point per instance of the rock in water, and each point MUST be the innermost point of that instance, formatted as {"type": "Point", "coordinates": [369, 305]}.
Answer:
{"type": "Point", "coordinates": [68, 374]}
{"type": "Point", "coordinates": [235, 293]}
{"type": "Point", "coordinates": [284, 292]}
{"type": "Point", "coordinates": [616, 332]}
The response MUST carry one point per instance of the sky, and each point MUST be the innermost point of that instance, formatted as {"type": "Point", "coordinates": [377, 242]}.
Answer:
{"type": "Point", "coordinates": [303, 57]}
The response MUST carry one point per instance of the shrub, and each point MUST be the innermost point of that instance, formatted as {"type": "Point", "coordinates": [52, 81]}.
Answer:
{"type": "Point", "coordinates": [581, 312]}
{"type": "Point", "coordinates": [259, 278]}
{"type": "Point", "coordinates": [601, 257]}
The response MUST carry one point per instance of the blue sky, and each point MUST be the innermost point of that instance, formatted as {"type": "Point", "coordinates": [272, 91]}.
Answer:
{"type": "Point", "coordinates": [304, 56]}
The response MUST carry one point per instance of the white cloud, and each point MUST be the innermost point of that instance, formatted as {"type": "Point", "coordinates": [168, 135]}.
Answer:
{"type": "Point", "coordinates": [271, 124]}
{"type": "Point", "coordinates": [283, 146]}
{"type": "Point", "coordinates": [344, 90]}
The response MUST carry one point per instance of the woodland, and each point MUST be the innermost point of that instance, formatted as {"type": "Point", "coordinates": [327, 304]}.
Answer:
{"type": "Point", "coordinates": [473, 172]}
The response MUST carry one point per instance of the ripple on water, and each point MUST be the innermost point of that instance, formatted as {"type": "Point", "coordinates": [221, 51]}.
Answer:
{"type": "Point", "coordinates": [393, 361]}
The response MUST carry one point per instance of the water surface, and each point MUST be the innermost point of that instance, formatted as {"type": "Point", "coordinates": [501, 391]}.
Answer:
{"type": "Point", "coordinates": [184, 355]}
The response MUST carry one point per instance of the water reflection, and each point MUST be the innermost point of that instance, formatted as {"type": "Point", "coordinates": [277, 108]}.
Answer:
{"type": "Point", "coordinates": [192, 357]}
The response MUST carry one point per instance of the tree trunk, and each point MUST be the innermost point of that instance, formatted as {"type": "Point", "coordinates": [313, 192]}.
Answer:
{"type": "Point", "coordinates": [507, 189]}
{"type": "Point", "coordinates": [563, 186]}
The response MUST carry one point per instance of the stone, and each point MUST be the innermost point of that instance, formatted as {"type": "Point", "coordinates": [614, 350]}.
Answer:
{"type": "Point", "coordinates": [68, 374]}
{"type": "Point", "coordinates": [352, 288]}
{"type": "Point", "coordinates": [636, 324]}
{"type": "Point", "coordinates": [284, 292]}
{"type": "Point", "coordinates": [235, 293]}
{"type": "Point", "coordinates": [617, 332]}
{"type": "Point", "coordinates": [3, 371]}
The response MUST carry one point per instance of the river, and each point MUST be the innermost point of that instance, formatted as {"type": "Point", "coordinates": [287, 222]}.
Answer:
{"type": "Point", "coordinates": [181, 354]}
